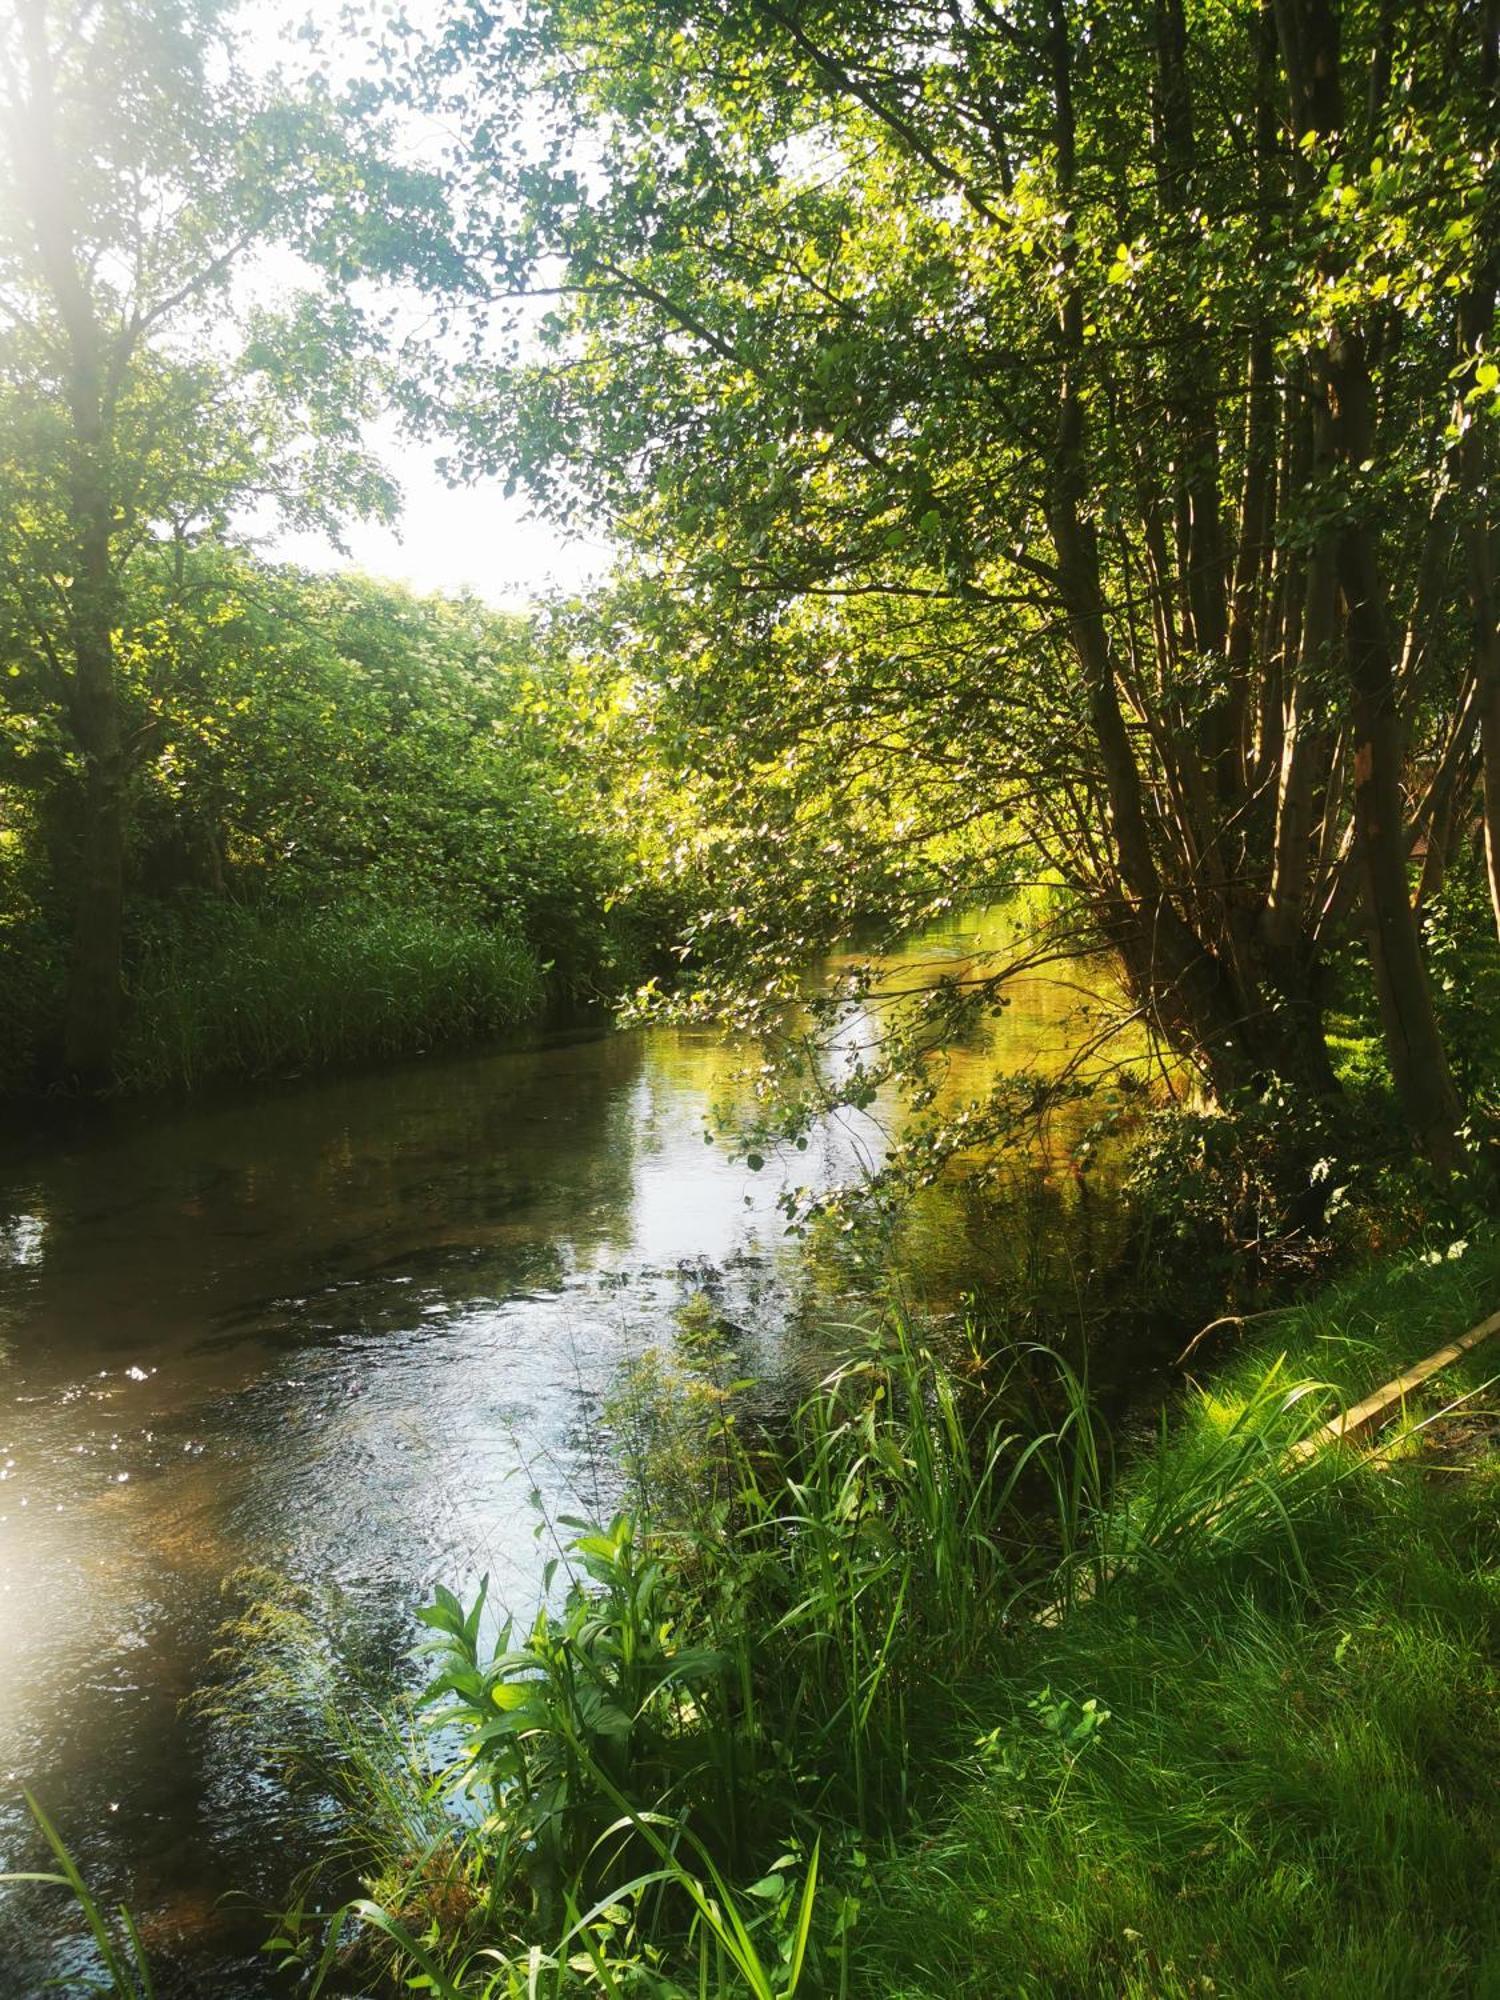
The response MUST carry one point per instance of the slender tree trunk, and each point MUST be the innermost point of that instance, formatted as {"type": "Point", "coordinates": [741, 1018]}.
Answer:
{"type": "Point", "coordinates": [1489, 738]}
{"type": "Point", "coordinates": [1176, 974]}
{"type": "Point", "coordinates": [1309, 34]}
{"type": "Point", "coordinates": [1475, 457]}
{"type": "Point", "coordinates": [1445, 823]}
{"type": "Point", "coordinates": [92, 1015]}
{"type": "Point", "coordinates": [1413, 1044]}
{"type": "Point", "coordinates": [93, 999]}
{"type": "Point", "coordinates": [1188, 935]}
{"type": "Point", "coordinates": [1435, 820]}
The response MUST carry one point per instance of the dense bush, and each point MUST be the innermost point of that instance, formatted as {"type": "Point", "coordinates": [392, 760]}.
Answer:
{"type": "Point", "coordinates": [357, 829]}
{"type": "Point", "coordinates": [32, 962]}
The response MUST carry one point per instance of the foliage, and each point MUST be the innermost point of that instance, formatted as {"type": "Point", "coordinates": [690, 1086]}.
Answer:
{"type": "Point", "coordinates": [1467, 982]}
{"type": "Point", "coordinates": [938, 1656]}
{"type": "Point", "coordinates": [159, 381]}
{"type": "Point", "coordinates": [32, 960]}
{"type": "Point", "coordinates": [792, 1659]}
{"type": "Point", "coordinates": [1019, 421]}
{"type": "Point", "coordinates": [356, 831]}
{"type": "Point", "coordinates": [315, 733]}
{"type": "Point", "coordinates": [1229, 1201]}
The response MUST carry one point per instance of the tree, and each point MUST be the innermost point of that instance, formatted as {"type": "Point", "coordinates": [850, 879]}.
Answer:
{"type": "Point", "coordinates": [143, 401]}
{"type": "Point", "coordinates": [332, 739]}
{"type": "Point", "coordinates": [1044, 412]}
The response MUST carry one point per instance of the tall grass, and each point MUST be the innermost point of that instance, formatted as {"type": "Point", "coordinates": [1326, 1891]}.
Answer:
{"type": "Point", "coordinates": [1256, 1749]}
{"type": "Point", "coordinates": [122, 1956]}
{"type": "Point", "coordinates": [274, 993]}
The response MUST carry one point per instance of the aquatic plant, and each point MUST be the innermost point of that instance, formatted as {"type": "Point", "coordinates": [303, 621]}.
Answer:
{"type": "Point", "coordinates": [122, 1955]}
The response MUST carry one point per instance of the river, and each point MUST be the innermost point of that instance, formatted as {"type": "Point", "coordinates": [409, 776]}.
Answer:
{"type": "Point", "coordinates": [343, 1329]}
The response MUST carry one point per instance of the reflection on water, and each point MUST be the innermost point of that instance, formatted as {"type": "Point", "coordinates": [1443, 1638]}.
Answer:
{"type": "Point", "coordinates": [344, 1331]}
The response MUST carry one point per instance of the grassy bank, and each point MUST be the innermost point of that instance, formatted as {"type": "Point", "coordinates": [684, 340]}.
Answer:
{"type": "Point", "coordinates": [1288, 1781]}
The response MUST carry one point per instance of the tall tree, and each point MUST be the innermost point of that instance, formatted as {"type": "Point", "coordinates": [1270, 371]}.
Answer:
{"type": "Point", "coordinates": [1044, 411]}
{"type": "Point", "coordinates": [144, 395]}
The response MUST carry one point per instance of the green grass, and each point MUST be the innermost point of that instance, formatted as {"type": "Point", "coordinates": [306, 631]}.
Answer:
{"type": "Point", "coordinates": [1292, 1792]}
{"type": "Point", "coordinates": [260, 994]}
{"type": "Point", "coordinates": [1294, 1787]}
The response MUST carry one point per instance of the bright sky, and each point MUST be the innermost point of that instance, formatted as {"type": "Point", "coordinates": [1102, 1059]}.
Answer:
{"type": "Point", "coordinates": [472, 538]}
{"type": "Point", "coordinates": [466, 538]}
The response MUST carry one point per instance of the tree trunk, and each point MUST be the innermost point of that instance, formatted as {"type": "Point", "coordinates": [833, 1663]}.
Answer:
{"type": "Point", "coordinates": [93, 999]}
{"type": "Point", "coordinates": [94, 978]}
{"type": "Point", "coordinates": [1489, 739]}
{"type": "Point", "coordinates": [1444, 829]}
{"type": "Point", "coordinates": [1310, 43]}
{"type": "Point", "coordinates": [92, 1013]}
{"type": "Point", "coordinates": [1475, 459]}
{"type": "Point", "coordinates": [1413, 1044]}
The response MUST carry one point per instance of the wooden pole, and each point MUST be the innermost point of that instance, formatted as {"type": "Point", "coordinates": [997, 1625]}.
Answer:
{"type": "Point", "coordinates": [1373, 1408]}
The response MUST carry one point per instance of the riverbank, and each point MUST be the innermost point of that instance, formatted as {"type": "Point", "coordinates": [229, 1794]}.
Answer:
{"type": "Point", "coordinates": [1264, 1758]}
{"type": "Point", "coordinates": [933, 1706]}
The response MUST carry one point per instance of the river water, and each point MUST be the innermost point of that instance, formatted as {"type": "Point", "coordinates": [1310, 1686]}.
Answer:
{"type": "Point", "coordinates": [344, 1330]}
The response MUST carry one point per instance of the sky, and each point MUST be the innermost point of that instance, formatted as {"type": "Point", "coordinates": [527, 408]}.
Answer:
{"type": "Point", "coordinates": [469, 538]}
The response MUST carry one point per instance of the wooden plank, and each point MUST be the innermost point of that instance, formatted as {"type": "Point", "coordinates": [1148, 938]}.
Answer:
{"type": "Point", "coordinates": [1373, 1408]}
{"type": "Point", "coordinates": [1345, 1426]}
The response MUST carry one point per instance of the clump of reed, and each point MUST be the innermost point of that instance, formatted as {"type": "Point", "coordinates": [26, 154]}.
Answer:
{"type": "Point", "coordinates": [266, 993]}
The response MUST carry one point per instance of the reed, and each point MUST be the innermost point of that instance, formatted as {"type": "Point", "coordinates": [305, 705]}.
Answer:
{"type": "Point", "coordinates": [276, 993]}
